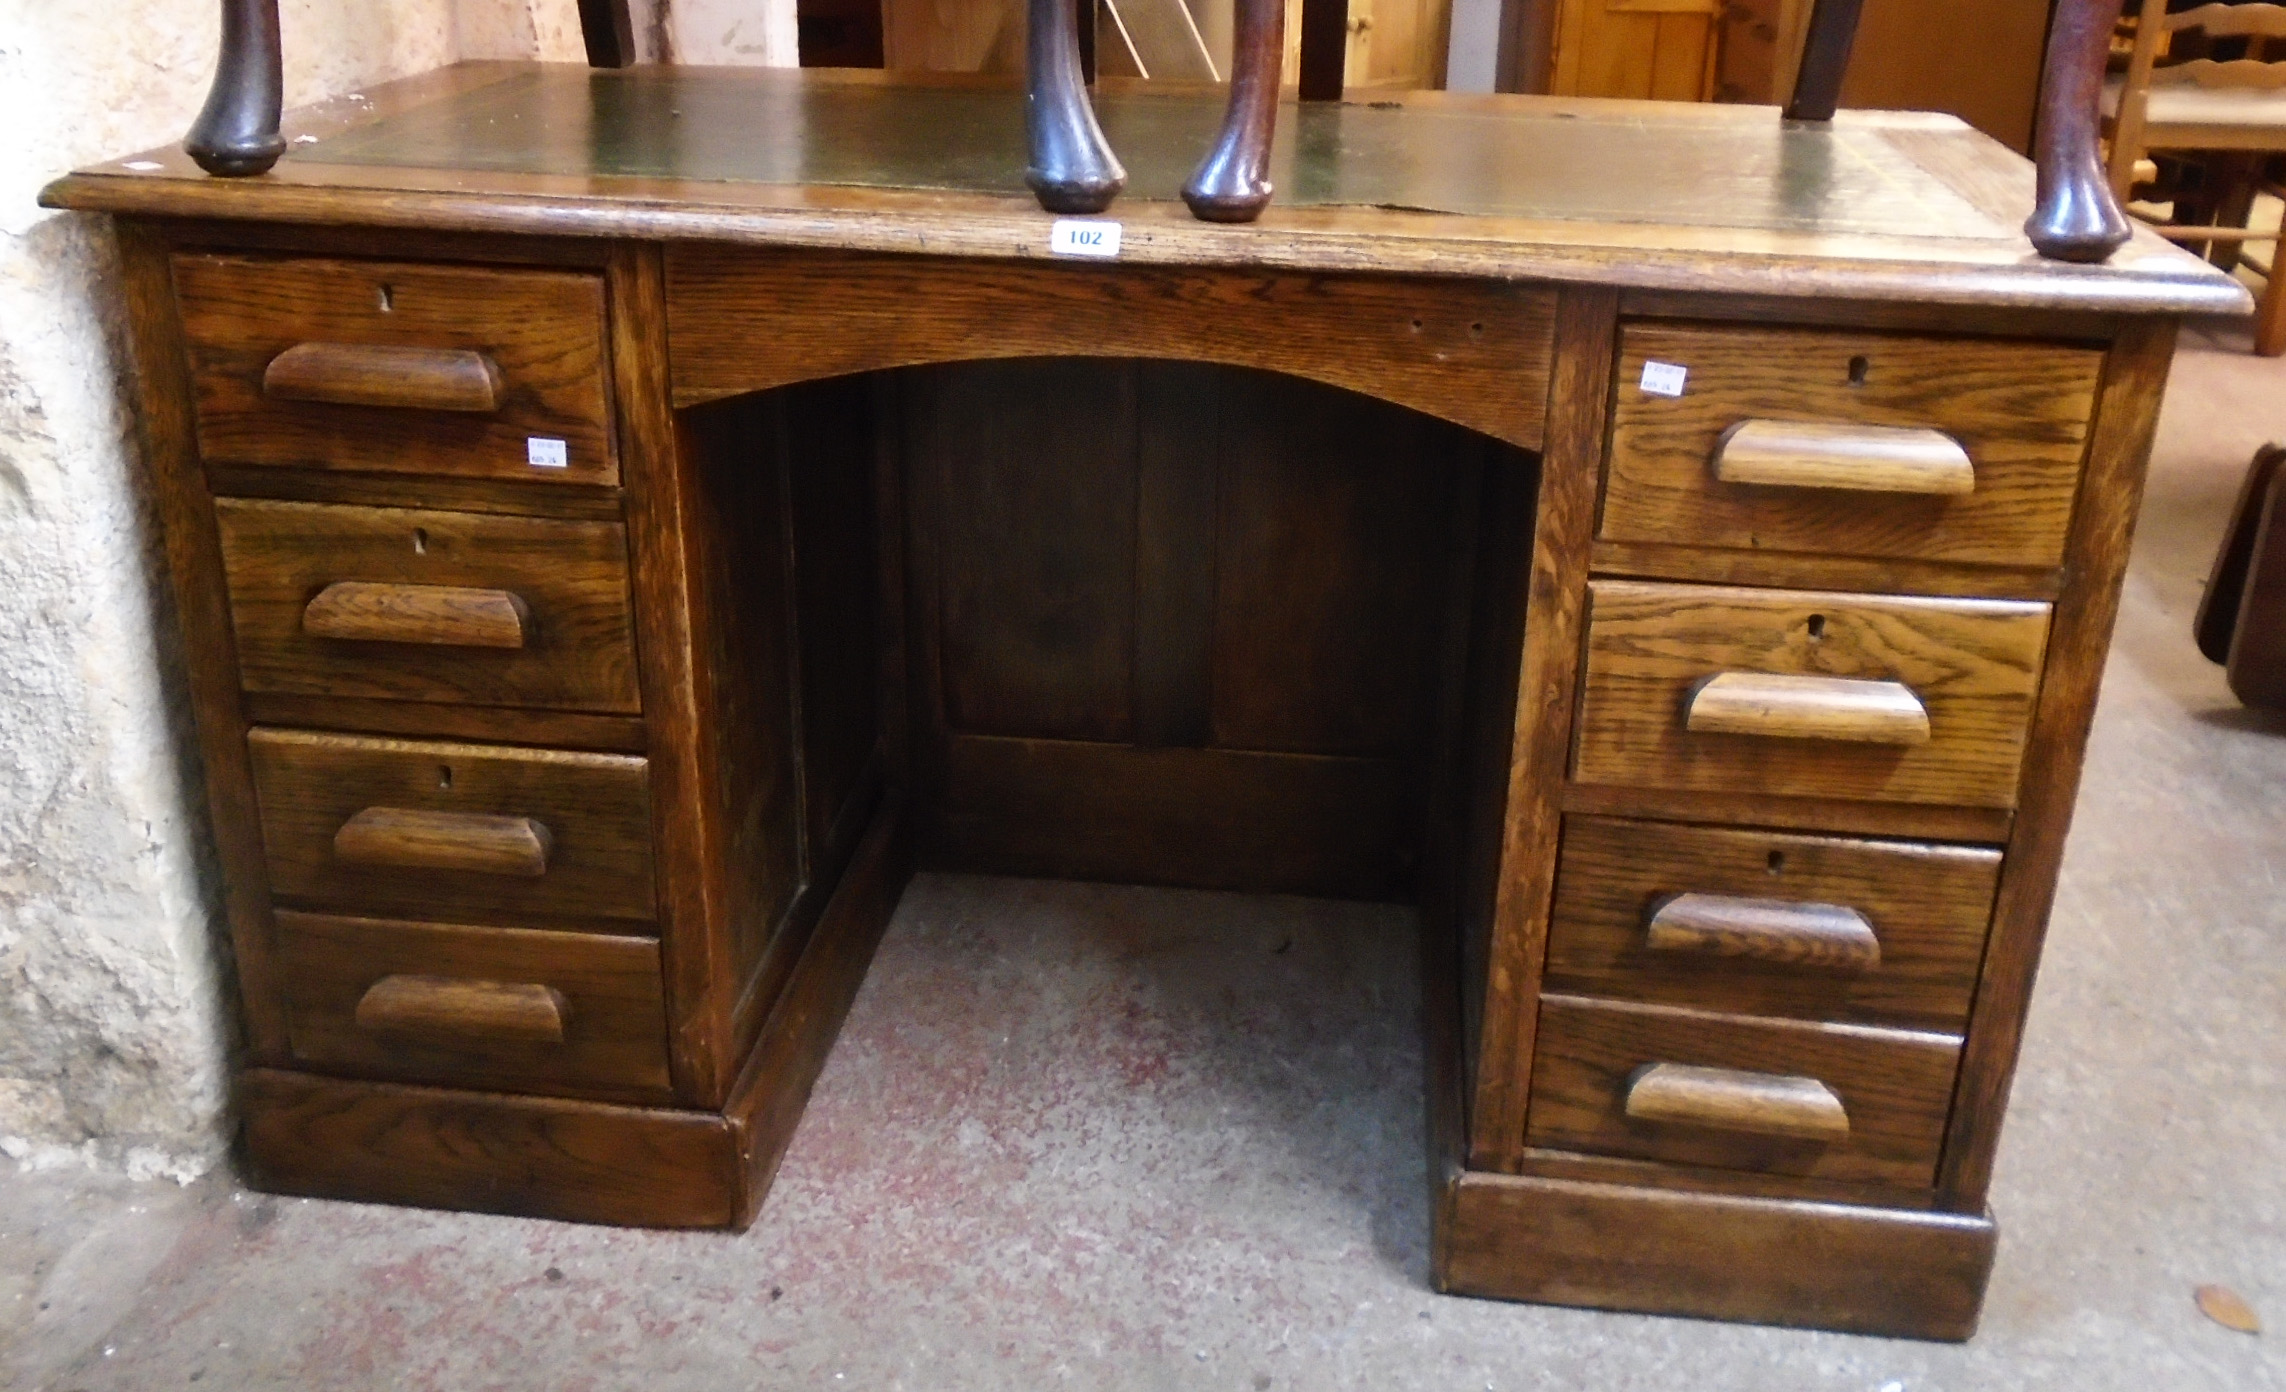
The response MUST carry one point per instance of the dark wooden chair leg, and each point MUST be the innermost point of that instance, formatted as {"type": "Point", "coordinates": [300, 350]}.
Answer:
{"type": "Point", "coordinates": [1325, 49]}
{"type": "Point", "coordinates": [608, 27]}
{"type": "Point", "coordinates": [2077, 218]}
{"type": "Point", "coordinates": [1073, 169]}
{"type": "Point", "coordinates": [1232, 184]}
{"type": "Point", "coordinates": [2234, 559]}
{"type": "Point", "coordinates": [1825, 60]}
{"type": "Point", "coordinates": [236, 133]}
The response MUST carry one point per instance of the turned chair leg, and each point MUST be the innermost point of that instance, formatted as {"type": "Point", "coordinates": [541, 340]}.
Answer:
{"type": "Point", "coordinates": [1232, 184]}
{"type": "Point", "coordinates": [2078, 218]}
{"type": "Point", "coordinates": [1825, 60]}
{"type": "Point", "coordinates": [236, 134]}
{"type": "Point", "coordinates": [1073, 169]}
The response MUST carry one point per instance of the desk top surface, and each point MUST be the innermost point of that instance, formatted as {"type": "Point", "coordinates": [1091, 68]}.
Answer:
{"type": "Point", "coordinates": [1877, 205]}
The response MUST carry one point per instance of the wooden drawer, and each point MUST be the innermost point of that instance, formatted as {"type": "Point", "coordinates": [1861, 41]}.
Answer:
{"type": "Point", "coordinates": [453, 830]}
{"type": "Point", "coordinates": [1767, 923]}
{"type": "Point", "coordinates": [1877, 698]}
{"type": "Point", "coordinates": [405, 369]}
{"type": "Point", "coordinates": [429, 606]}
{"type": "Point", "coordinates": [579, 1013]}
{"type": "Point", "coordinates": [1732, 1094]}
{"type": "Point", "coordinates": [2018, 410]}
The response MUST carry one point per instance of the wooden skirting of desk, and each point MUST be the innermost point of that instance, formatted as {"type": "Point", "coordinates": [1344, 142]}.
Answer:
{"type": "Point", "coordinates": [763, 517]}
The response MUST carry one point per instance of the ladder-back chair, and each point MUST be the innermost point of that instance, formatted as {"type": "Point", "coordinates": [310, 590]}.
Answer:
{"type": "Point", "coordinates": [2234, 106]}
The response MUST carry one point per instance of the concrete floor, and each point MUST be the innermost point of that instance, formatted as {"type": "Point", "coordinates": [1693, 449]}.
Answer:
{"type": "Point", "coordinates": [1110, 1137]}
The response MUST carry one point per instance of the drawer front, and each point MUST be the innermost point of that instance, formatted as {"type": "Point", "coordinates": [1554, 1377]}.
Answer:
{"type": "Point", "coordinates": [430, 606]}
{"type": "Point", "coordinates": [453, 830]}
{"type": "Point", "coordinates": [405, 369]}
{"type": "Point", "coordinates": [1768, 923]}
{"type": "Point", "coordinates": [1875, 698]}
{"type": "Point", "coordinates": [2018, 410]}
{"type": "Point", "coordinates": [1741, 1094]}
{"type": "Point", "coordinates": [577, 1013]}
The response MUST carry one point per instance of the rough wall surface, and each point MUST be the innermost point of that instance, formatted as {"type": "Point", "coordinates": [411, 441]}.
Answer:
{"type": "Point", "coordinates": [113, 1012]}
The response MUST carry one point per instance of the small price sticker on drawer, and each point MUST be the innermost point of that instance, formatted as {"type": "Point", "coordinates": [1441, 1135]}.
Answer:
{"type": "Point", "coordinates": [1664, 379]}
{"type": "Point", "coordinates": [1084, 237]}
{"type": "Point", "coordinates": [543, 453]}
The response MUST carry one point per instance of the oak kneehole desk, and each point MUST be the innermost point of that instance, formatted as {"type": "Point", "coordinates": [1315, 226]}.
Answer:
{"type": "Point", "coordinates": [624, 521]}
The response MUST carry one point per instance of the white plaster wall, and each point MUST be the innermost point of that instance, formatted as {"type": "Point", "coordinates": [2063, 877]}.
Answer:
{"type": "Point", "coordinates": [745, 33]}
{"type": "Point", "coordinates": [114, 1023]}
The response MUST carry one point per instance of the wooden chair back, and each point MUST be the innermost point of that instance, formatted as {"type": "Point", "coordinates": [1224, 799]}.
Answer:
{"type": "Point", "coordinates": [2262, 70]}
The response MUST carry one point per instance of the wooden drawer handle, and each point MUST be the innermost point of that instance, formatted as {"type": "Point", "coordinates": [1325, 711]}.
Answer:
{"type": "Point", "coordinates": [413, 839]}
{"type": "Point", "coordinates": [457, 1008]}
{"type": "Point", "coordinates": [1724, 1099]}
{"type": "Point", "coordinates": [1831, 936]}
{"type": "Point", "coordinates": [364, 611]}
{"type": "Point", "coordinates": [375, 374]}
{"type": "Point", "coordinates": [1815, 708]}
{"type": "Point", "coordinates": [1857, 458]}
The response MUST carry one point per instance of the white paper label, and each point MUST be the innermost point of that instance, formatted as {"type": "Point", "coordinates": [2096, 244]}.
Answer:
{"type": "Point", "coordinates": [1084, 237]}
{"type": "Point", "coordinates": [1664, 379]}
{"type": "Point", "coordinates": [544, 453]}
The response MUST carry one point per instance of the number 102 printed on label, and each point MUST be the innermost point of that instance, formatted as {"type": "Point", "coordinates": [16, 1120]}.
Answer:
{"type": "Point", "coordinates": [1084, 237]}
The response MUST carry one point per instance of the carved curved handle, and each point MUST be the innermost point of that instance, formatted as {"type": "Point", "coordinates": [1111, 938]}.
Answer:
{"type": "Point", "coordinates": [1858, 458]}
{"type": "Point", "coordinates": [363, 611]}
{"type": "Point", "coordinates": [455, 1008]}
{"type": "Point", "coordinates": [2077, 217]}
{"type": "Point", "coordinates": [1725, 1099]}
{"type": "Point", "coordinates": [1832, 936]}
{"type": "Point", "coordinates": [378, 374]}
{"type": "Point", "coordinates": [1814, 708]}
{"type": "Point", "coordinates": [1232, 184]}
{"type": "Point", "coordinates": [416, 839]}
{"type": "Point", "coordinates": [236, 133]}
{"type": "Point", "coordinates": [1072, 168]}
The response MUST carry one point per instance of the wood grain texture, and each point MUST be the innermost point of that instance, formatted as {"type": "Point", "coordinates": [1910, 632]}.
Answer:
{"type": "Point", "coordinates": [368, 374]}
{"type": "Point", "coordinates": [1850, 710]}
{"type": "Point", "coordinates": [1793, 933]}
{"type": "Point", "coordinates": [2019, 409]}
{"type": "Point", "coordinates": [1728, 1099]}
{"type": "Point", "coordinates": [349, 1009]}
{"type": "Point", "coordinates": [1973, 664]}
{"type": "Point", "coordinates": [505, 497]}
{"type": "Point", "coordinates": [483, 724]}
{"type": "Point", "coordinates": [1547, 681]}
{"type": "Point", "coordinates": [514, 1012]}
{"type": "Point", "coordinates": [201, 602]}
{"type": "Point", "coordinates": [772, 1089]}
{"type": "Point", "coordinates": [1204, 818]}
{"type": "Point", "coordinates": [1926, 821]}
{"type": "Point", "coordinates": [1928, 907]}
{"type": "Point", "coordinates": [2135, 376]}
{"type": "Point", "coordinates": [1476, 354]}
{"type": "Point", "coordinates": [447, 616]}
{"type": "Point", "coordinates": [533, 1157]}
{"type": "Point", "coordinates": [596, 808]}
{"type": "Point", "coordinates": [1657, 561]}
{"type": "Point", "coordinates": [541, 330]}
{"type": "Point", "coordinates": [674, 554]}
{"type": "Point", "coordinates": [407, 839]}
{"type": "Point", "coordinates": [1771, 1261]}
{"type": "Point", "coordinates": [1896, 1087]}
{"type": "Point", "coordinates": [1852, 458]}
{"type": "Point", "coordinates": [575, 631]}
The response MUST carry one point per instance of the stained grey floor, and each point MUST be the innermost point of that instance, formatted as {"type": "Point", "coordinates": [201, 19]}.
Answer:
{"type": "Point", "coordinates": [1125, 1138]}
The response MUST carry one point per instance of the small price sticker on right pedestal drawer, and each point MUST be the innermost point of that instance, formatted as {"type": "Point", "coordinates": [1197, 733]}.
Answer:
{"type": "Point", "coordinates": [1664, 378]}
